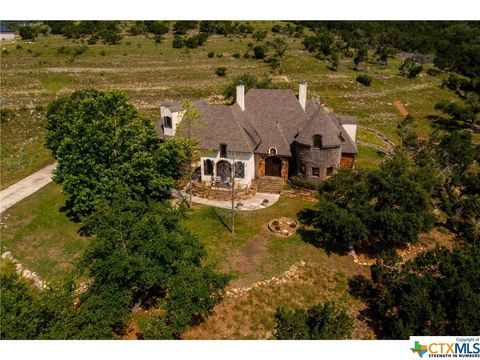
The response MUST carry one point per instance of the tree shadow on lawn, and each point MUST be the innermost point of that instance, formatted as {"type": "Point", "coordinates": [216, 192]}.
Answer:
{"type": "Point", "coordinates": [321, 240]}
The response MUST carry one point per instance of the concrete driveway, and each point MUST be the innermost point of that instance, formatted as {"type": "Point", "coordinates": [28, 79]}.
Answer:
{"type": "Point", "coordinates": [20, 190]}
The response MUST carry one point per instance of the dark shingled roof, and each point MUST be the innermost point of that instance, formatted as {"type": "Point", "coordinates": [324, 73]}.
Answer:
{"type": "Point", "coordinates": [272, 118]}
{"type": "Point", "coordinates": [324, 124]}
{"type": "Point", "coordinates": [277, 117]}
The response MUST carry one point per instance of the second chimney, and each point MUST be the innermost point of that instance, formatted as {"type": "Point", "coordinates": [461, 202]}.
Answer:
{"type": "Point", "coordinates": [241, 96]}
{"type": "Point", "coordinates": [302, 94]}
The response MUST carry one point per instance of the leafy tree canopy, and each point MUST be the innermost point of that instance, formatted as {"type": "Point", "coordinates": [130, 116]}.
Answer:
{"type": "Point", "coordinates": [435, 294]}
{"type": "Point", "coordinates": [99, 140]}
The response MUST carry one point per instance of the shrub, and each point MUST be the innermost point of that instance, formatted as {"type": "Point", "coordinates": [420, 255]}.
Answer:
{"type": "Point", "coordinates": [178, 42]}
{"type": "Point", "coordinates": [259, 35]}
{"type": "Point", "coordinates": [275, 222]}
{"type": "Point", "coordinates": [92, 40]}
{"type": "Point", "coordinates": [320, 322]}
{"type": "Point", "coordinates": [19, 47]}
{"type": "Point", "coordinates": [102, 52]}
{"type": "Point", "coordinates": [236, 55]}
{"type": "Point", "coordinates": [301, 181]}
{"type": "Point", "coordinates": [433, 71]}
{"type": "Point", "coordinates": [158, 39]}
{"type": "Point", "coordinates": [277, 228]}
{"type": "Point", "coordinates": [221, 71]}
{"type": "Point", "coordinates": [259, 52]}
{"type": "Point", "coordinates": [364, 79]}
{"type": "Point", "coordinates": [28, 32]}
{"type": "Point", "coordinates": [211, 54]}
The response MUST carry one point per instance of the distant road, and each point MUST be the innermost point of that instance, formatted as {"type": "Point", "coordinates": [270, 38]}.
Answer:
{"type": "Point", "coordinates": [20, 190]}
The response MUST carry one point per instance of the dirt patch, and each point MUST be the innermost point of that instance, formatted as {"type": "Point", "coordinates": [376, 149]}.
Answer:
{"type": "Point", "coordinates": [402, 110]}
{"type": "Point", "coordinates": [248, 260]}
{"type": "Point", "coordinates": [132, 331]}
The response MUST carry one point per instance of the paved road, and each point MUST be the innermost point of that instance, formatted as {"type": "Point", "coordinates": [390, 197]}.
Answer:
{"type": "Point", "coordinates": [25, 187]}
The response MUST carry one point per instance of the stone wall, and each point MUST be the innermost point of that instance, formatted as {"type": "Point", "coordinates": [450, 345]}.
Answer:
{"type": "Point", "coordinates": [347, 161]}
{"type": "Point", "coordinates": [222, 194]}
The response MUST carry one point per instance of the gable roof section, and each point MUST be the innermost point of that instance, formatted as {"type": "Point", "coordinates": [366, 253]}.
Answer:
{"type": "Point", "coordinates": [219, 124]}
{"type": "Point", "coordinates": [277, 117]}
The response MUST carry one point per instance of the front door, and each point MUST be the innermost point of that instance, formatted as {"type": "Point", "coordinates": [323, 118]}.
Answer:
{"type": "Point", "coordinates": [273, 166]}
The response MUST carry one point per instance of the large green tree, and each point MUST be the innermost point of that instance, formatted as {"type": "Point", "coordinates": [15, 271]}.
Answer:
{"type": "Point", "coordinates": [374, 209]}
{"type": "Point", "coordinates": [143, 248]}
{"type": "Point", "coordinates": [436, 294]}
{"type": "Point", "coordinates": [99, 140]}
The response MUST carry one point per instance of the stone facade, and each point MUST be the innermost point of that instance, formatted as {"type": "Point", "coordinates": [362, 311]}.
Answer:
{"type": "Point", "coordinates": [347, 160]}
{"type": "Point", "coordinates": [325, 160]}
{"type": "Point", "coordinates": [260, 166]}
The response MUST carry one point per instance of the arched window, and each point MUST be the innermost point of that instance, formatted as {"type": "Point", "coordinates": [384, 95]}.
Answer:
{"type": "Point", "coordinates": [167, 122]}
{"type": "Point", "coordinates": [317, 141]}
{"type": "Point", "coordinates": [207, 167]}
{"type": "Point", "coordinates": [239, 170]}
{"type": "Point", "coordinates": [272, 151]}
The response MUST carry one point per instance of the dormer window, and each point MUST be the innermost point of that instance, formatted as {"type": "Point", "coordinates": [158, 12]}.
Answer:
{"type": "Point", "coordinates": [223, 150]}
{"type": "Point", "coordinates": [272, 151]}
{"type": "Point", "coordinates": [167, 122]}
{"type": "Point", "coordinates": [317, 141]}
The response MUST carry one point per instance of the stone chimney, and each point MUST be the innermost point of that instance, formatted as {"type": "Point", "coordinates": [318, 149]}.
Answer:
{"type": "Point", "coordinates": [241, 96]}
{"type": "Point", "coordinates": [302, 94]}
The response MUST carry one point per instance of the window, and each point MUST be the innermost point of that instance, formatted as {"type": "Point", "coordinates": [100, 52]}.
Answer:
{"type": "Point", "coordinates": [317, 141]}
{"type": "Point", "coordinates": [167, 122]}
{"type": "Point", "coordinates": [330, 171]}
{"type": "Point", "coordinates": [303, 169]}
{"type": "Point", "coordinates": [239, 170]}
{"type": "Point", "coordinates": [223, 150]}
{"type": "Point", "coordinates": [272, 151]}
{"type": "Point", "coordinates": [316, 172]}
{"type": "Point", "coordinates": [207, 167]}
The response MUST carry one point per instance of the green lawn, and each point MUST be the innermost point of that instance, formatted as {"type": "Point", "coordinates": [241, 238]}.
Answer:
{"type": "Point", "coordinates": [35, 73]}
{"type": "Point", "coordinates": [39, 235]}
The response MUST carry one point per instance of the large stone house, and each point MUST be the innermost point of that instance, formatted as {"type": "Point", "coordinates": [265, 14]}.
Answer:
{"type": "Point", "coordinates": [267, 134]}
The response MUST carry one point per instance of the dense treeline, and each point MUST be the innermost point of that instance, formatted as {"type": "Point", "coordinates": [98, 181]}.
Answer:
{"type": "Point", "coordinates": [455, 46]}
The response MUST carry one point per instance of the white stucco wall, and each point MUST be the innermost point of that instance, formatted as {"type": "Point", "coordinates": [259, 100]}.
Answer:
{"type": "Point", "coordinates": [246, 158]}
{"type": "Point", "coordinates": [176, 118]}
{"type": "Point", "coordinates": [351, 130]}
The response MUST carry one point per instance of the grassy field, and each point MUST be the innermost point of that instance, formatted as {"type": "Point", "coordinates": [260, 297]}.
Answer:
{"type": "Point", "coordinates": [35, 73]}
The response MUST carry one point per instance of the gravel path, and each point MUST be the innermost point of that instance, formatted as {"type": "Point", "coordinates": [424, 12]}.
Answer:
{"type": "Point", "coordinates": [20, 190]}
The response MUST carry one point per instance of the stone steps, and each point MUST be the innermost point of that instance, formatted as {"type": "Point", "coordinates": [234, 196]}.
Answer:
{"type": "Point", "coordinates": [269, 185]}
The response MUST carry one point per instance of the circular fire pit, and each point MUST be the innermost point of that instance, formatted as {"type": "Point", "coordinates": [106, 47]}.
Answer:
{"type": "Point", "coordinates": [283, 226]}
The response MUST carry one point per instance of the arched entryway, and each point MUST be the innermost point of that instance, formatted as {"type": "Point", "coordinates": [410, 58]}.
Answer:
{"type": "Point", "coordinates": [273, 166]}
{"type": "Point", "coordinates": [224, 170]}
